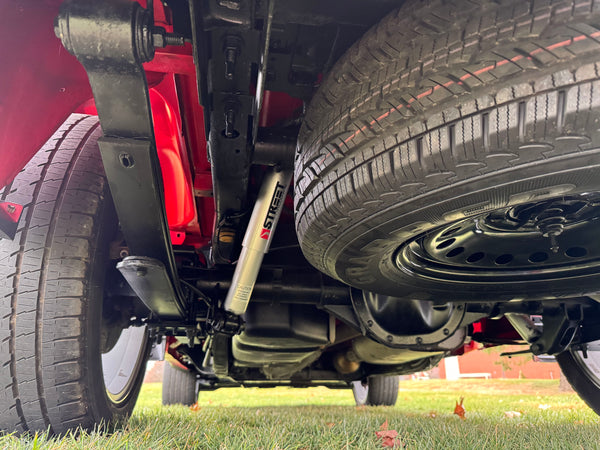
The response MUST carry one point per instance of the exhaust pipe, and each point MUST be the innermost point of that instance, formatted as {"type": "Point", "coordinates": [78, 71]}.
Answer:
{"type": "Point", "coordinates": [258, 238]}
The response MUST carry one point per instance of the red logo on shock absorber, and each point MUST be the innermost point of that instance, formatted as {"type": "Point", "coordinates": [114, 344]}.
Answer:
{"type": "Point", "coordinates": [264, 234]}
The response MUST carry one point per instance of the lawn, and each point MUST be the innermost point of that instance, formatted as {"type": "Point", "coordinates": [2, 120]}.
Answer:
{"type": "Point", "coordinates": [499, 414]}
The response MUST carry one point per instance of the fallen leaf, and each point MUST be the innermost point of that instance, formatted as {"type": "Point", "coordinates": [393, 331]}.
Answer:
{"type": "Point", "coordinates": [386, 434]}
{"type": "Point", "coordinates": [388, 437]}
{"type": "Point", "coordinates": [392, 443]}
{"type": "Point", "coordinates": [330, 424]}
{"type": "Point", "coordinates": [459, 409]}
{"type": "Point", "coordinates": [512, 414]}
{"type": "Point", "coordinates": [195, 407]}
{"type": "Point", "coordinates": [544, 406]}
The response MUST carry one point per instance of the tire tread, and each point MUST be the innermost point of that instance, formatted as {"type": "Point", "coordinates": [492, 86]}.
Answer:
{"type": "Point", "coordinates": [393, 154]}
{"type": "Point", "coordinates": [179, 386]}
{"type": "Point", "coordinates": [383, 390]}
{"type": "Point", "coordinates": [43, 388]}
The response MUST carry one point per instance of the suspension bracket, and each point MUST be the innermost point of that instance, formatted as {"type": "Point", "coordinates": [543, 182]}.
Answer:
{"type": "Point", "coordinates": [111, 39]}
{"type": "Point", "coordinates": [560, 329]}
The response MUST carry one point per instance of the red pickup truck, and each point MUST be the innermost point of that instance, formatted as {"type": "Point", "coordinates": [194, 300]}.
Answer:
{"type": "Point", "coordinates": [283, 192]}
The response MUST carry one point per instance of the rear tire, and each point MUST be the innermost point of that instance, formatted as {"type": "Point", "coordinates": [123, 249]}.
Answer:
{"type": "Point", "coordinates": [54, 373]}
{"type": "Point", "coordinates": [583, 374]}
{"type": "Point", "coordinates": [179, 386]}
{"type": "Point", "coordinates": [378, 391]}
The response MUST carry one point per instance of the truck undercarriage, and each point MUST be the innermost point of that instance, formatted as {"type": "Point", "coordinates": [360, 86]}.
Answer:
{"type": "Point", "coordinates": [291, 193]}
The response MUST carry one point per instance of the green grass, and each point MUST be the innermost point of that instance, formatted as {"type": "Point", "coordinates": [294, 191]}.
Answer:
{"type": "Point", "coordinates": [321, 418]}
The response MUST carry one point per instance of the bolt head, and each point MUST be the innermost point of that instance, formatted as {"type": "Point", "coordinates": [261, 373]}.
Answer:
{"type": "Point", "coordinates": [536, 348]}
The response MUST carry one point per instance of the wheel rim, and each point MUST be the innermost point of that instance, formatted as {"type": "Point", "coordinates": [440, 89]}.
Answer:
{"type": "Point", "coordinates": [122, 363]}
{"type": "Point", "coordinates": [360, 391]}
{"type": "Point", "coordinates": [544, 240]}
{"type": "Point", "coordinates": [589, 361]}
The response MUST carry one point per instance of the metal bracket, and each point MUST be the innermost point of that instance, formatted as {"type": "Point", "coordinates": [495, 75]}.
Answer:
{"type": "Point", "coordinates": [559, 331]}
{"type": "Point", "coordinates": [10, 214]}
{"type": "Point", "coordinates": [111, 39]}
{"type": "Point", "coordinates": [227, 46]}
{"type": "Point", "coordinates": [225, 323]}
{"type": "Point", "coordinates": [149, 280]}
{"type": "Point", "coordinates": [158, 350]}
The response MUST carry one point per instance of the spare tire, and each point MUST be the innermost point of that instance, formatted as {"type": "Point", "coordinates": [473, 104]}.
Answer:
{"type": "Point", "coordinates": [453, 153]}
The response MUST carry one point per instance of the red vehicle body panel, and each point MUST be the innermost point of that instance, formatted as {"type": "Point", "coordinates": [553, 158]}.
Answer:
{"type": "Point", "coordinates": [40, 82]}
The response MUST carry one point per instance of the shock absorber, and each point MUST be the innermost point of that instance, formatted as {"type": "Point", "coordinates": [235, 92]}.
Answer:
{"type": "Point", "coordinates": [257, 238]}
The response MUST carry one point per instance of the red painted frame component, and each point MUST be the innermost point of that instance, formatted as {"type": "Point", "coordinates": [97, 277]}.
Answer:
{"type": "Point", "coordinates": [277, 107]}
{"type": "Point", "coordinates": [10, 214]}
{"type": "Point", "coordinates": [497, 330]}
{"type": "Point", "coordinates": [173, 157]}
{"type": "Point", "coordinates": [172, 355]}
{"type": "Point", "coordinates": [172, 154]}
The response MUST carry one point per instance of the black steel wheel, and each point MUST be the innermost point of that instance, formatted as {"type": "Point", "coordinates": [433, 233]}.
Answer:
{"type": "Point", "coordinates": [581, 367]}
{"type": "Point", "coordinates": [179, 386]}
{"type": "Point", "coordinates": [376, 391]}
{"type": "Point", "coordinates": [442, 161]}
{"type": "Point", "coordinates": [545, 240]}
{"type": "Point", "coordinates": [69, 359]}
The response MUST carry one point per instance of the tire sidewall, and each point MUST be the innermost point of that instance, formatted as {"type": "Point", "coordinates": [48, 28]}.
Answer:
{"type": "Point", "coordinates": [364, 255]}
{"type": "Point", "coordinates": [360, 392]}
{"type": "Point", "coordinates": [104, 409]}
{"type": "Point", "coordinates": [587, 388]}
